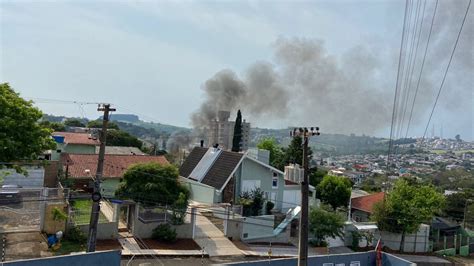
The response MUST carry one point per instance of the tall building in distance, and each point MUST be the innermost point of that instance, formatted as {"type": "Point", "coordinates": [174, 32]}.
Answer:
{"type": "Point", "coordinates": [221, 131]}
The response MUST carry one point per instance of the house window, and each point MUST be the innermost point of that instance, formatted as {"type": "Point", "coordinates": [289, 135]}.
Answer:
{"type": "Point", "coordinates": [275, 183]}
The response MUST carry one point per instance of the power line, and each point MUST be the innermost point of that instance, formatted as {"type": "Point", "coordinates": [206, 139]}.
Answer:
{"type": "Point", "coordinates": [447, 69]}
{"type": "Point", "coordinates": [390, 145]}
{"type": "Point", "coordinates": [58, 101]}
{"type": "Point", "coordinates": [406, 70]}
{"type": "Point", "coordinates": [409, 77]}
{"type": "Point", "coordinates": [402, 70]}
{"type": "Point", "coordinates": [422, 68]}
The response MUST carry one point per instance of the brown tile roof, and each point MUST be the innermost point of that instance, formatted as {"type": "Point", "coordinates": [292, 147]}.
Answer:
{"type": "Point", "coordinates": [191, 161]}
{"type": "Point", "coordinates": [114, 165]}
{"type": "Point", "coordinates": [289, 182]}
{"type": "Point", "coordinates": [77, 138]}
{"type": "Point", "coordinates": [221, 169]}
{"type": "Point", "coordinates": [366, 203]}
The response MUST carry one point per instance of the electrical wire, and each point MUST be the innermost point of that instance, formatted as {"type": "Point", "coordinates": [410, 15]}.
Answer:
{"type": "Point", "coordinates": [422, 68]}
{"type": "Point", "coordinates": [390, 144]}
{"type": "Point", "coordinates": [410, 77]}
{"type": "Point", "coordinates": [447, 69]}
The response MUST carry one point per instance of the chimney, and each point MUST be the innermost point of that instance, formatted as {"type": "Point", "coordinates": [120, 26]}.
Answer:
{"type": "Point", "coordinates": [202, 143]}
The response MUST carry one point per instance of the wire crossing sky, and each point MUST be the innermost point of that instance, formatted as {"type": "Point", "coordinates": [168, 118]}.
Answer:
{"type": "Point", "coordinates": [169, 59]}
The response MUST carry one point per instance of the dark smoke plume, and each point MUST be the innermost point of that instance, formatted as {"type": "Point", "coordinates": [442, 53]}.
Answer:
{"type": "Point", "coordinates": [349, 93]}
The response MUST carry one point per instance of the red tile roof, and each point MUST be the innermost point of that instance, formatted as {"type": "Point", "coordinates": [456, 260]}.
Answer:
{"type": "Point", "coordinates": [114, 165]}
{"type": "Point", "coordinates": [366, 203]}
{"type": "Point", "coordinates": [77, 138]}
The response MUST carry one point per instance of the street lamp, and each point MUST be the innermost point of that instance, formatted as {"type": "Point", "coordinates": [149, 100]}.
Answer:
{"type": "Point", "coordinates": [304, 133]}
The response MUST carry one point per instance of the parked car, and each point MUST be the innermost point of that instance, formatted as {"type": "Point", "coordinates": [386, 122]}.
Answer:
{"type": "Point", "coordinates": [10, 197]}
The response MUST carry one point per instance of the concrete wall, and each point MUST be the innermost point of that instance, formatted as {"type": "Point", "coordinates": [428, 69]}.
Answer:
{"type": "Point", "coordinates": [392, 240]}
{"type": "Point", "coordinates": [257, 227]}
{"type": "Point", "coordinates": [104, 230]}
{"type": "Point", "coordinates": [362, 258]}
{"type": "Point", "coordinates": [184, 230]}
{"type": "Point", "coordinates": [99, 258]}
{"type": "Point", "coordinates": [200, 192]}
{"type": "Point", "coordinates": [35, 177]}
{"type": "Point", "coordinates": [234, 228]}
{"type": "Point", "coordinates": [392, 260]}
{"type": "Point", "coordinates": [145, 230]}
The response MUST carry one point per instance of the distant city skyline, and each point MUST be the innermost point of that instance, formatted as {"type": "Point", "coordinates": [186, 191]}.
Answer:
{"type": "Point", "coordinates": [153, 59]}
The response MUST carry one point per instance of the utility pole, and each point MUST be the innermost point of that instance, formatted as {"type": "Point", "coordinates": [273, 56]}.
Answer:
{"type": "Point", "coordinates": [96, 196]}
{"type": "Point", "coordinates": [304, 217]}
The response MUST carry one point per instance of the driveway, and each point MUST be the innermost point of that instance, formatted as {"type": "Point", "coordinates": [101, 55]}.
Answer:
{"type": "Point", "coordinates": [212, 240]}
{"type": "Point", "coordinates": [25, 246]}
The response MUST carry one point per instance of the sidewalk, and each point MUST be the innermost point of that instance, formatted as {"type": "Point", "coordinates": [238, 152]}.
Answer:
{"type": "Point", "coordinates": [130, 247]}
{"type": "Point", "coordinates": [212, 240]}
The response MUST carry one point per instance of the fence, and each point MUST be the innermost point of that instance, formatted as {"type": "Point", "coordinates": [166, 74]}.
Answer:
{"type": "Point", "coordinates": [461, 244]}
{"type": "Point", "coordinates": [25, 209]}
{"type": "Point", "coordinates": [80, 212]}
{"type": "Point", "coordinates": [156, 214]}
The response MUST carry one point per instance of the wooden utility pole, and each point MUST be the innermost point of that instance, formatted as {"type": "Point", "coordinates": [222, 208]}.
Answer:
{"type": "Point", "coordinates": [305, 133]}
{"type": "Point", "coordinates": [96, 196]}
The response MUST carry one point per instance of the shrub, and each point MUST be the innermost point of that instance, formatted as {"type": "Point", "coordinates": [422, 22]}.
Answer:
{"type": "Point", "coordinates": [269, 207]}
{"type": "Point", "coordinates": [179, 209]}
{"type": "Point", "coordinates": [74, 234]}
{"type": "Point", "coordinates": [165, 233]}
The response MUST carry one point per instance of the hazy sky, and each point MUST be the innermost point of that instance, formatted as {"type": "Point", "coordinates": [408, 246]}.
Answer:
{"type": "Point", "coordinates": [153, 57]}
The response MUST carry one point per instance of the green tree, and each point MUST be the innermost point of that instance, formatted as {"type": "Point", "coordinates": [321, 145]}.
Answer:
{"type": "Point", "coordinates": [73, 122]}
{"type": "Point", "coordinates": [324, 223]}
{"type": "Point", "coordinates": [335, 191]}
{"type": "Point", "coordinates": [406, 207]}
{"type": "Point", "coordinates": [316, 176]}
{"type": "Point", "coordinates": [456, 204]}
{"type": "Point", "coordinates": [122, 138]}
{"type": "Point", "coordinates": [21, 135]}
{"type": "Point", "coordinates": [98, 124]}
{"type": "Point", "coordinates": [237, 139]}
{"type": "Point", "coordinates": [276, 153]}
{"type": "Point", "coordinates": [294, 152]}
{"type": "Point", "coordinates": [151, 184]}
{"type": "Point", "coordinates": [55, 126]}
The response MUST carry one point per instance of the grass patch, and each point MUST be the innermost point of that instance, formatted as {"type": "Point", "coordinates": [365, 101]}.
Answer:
{"type": "Point", "coordinates": [68, 246]}
{"type": "Point", "coordinates": [82, 212]}
{"type": "Point", "coordinates": [438, 151]}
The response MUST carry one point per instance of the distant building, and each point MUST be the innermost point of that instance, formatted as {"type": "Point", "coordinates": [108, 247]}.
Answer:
{"type": "Point", "coordinates": [221, 131]}
{"type": "Point", "coordinates": [362, 207]}
{"type": "Point", "coordinates": [82, 168]}
{"type": "Point", "coordinates": [69, 142]}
